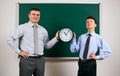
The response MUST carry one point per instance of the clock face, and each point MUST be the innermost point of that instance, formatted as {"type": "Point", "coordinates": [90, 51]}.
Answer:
{"type": "Point", "coordinates": [65, 34]}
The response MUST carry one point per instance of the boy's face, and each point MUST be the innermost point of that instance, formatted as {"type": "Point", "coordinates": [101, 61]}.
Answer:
{"type": "Point", "coordinates": [34, 16]}
{"type": "Point", "coordinates": [90, 24]}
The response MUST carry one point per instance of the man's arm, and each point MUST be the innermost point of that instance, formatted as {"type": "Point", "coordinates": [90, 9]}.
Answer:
{"type": "Point", "coordinates": [51, 43]}
{"type": "Point", "coordinates": [74, 47]}
{"type": "Point", "coordinates": [11, 40]}
{"type": "Point", "coordinates": [106, 51]}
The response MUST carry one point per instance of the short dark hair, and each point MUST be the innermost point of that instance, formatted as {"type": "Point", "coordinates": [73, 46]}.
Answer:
{"type": "Point", "coordinates": [90, 17]}
{"type": "Point", "coordinates": [36, 9]}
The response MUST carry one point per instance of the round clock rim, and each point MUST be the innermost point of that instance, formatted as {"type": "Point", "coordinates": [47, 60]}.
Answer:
{"type": "Point", "coordinates": [61, 30]}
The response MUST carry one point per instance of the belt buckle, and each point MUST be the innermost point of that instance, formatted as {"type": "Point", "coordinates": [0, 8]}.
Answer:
{"type": "Point", "coordinates": [83, 60]}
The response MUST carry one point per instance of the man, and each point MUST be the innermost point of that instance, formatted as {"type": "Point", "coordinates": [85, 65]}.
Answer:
{"type": "Point", "coordinates": [88, 44]}
{"type": "Point", "coordinates": [32, 40]}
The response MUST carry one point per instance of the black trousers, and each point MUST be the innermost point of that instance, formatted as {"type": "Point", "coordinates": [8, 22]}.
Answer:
{"type": "Point", "coordinates": [31, 66]}
{"type": "Point", "coordinates": [87, 67]}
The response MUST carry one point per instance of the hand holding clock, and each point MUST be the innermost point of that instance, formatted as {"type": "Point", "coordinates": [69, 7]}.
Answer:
{"type": "Point", "coordinates": [57, 35]}
{"type": "Point", "coordinates": [74, 35]}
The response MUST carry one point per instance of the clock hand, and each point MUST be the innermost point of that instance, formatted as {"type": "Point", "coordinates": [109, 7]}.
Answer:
{"type": "Point", "coordinates": [65, 33]}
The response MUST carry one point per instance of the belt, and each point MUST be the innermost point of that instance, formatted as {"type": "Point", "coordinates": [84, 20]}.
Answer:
{"type": "Point", "coordinates": [39, 56]}
{"type": "Point", "coordinates": [85, 61]}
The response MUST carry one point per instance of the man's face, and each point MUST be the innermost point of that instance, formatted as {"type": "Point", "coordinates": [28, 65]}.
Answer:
{"type": "Point", "coordinates": [34, 16]}
{"type": "Point", "coordinates": [90, 24]}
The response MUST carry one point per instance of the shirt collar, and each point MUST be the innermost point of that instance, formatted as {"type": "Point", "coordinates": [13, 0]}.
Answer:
{"type": "Point", "coordinates": [90, 33]}
{"type": "Point", "coordinates": [31, 24]}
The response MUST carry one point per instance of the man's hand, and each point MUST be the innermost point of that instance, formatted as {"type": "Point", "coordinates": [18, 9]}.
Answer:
{"type": "Point", "coordinates": [56, 35]}
{"type": "Point", "coordinates": [93, 56]}
{"type": "Point", "coordinates": [24, 54]}
{"type": "Point", "coordinates": [74, 35]}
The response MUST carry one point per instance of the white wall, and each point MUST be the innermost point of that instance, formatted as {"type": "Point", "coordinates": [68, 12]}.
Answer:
{"type": "Point", "coordinates": [109, 29]}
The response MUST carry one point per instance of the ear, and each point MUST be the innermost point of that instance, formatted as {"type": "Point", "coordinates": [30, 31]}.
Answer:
{"type": "Point", "coordinates": [95, 25]}
{"type": "Point", "coordinates": [28, 15]}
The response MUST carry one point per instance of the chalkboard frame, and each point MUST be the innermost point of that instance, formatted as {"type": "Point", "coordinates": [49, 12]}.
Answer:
{"type": "Point", "coordinates": [78, 34]}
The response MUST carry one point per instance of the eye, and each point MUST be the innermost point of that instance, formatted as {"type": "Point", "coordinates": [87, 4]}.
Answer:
{"type": "Point", "coordinates": [87, 21]}
{"type": "Point", "coordinates": [33, 14]}
{"type": "Point", "coordinates": [91, 21]}
{"type": "Point", "coordinates": [38, 14]}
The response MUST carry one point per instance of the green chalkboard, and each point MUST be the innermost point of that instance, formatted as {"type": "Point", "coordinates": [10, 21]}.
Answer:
{"type": "Point", "coordinates": [55, 16]}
